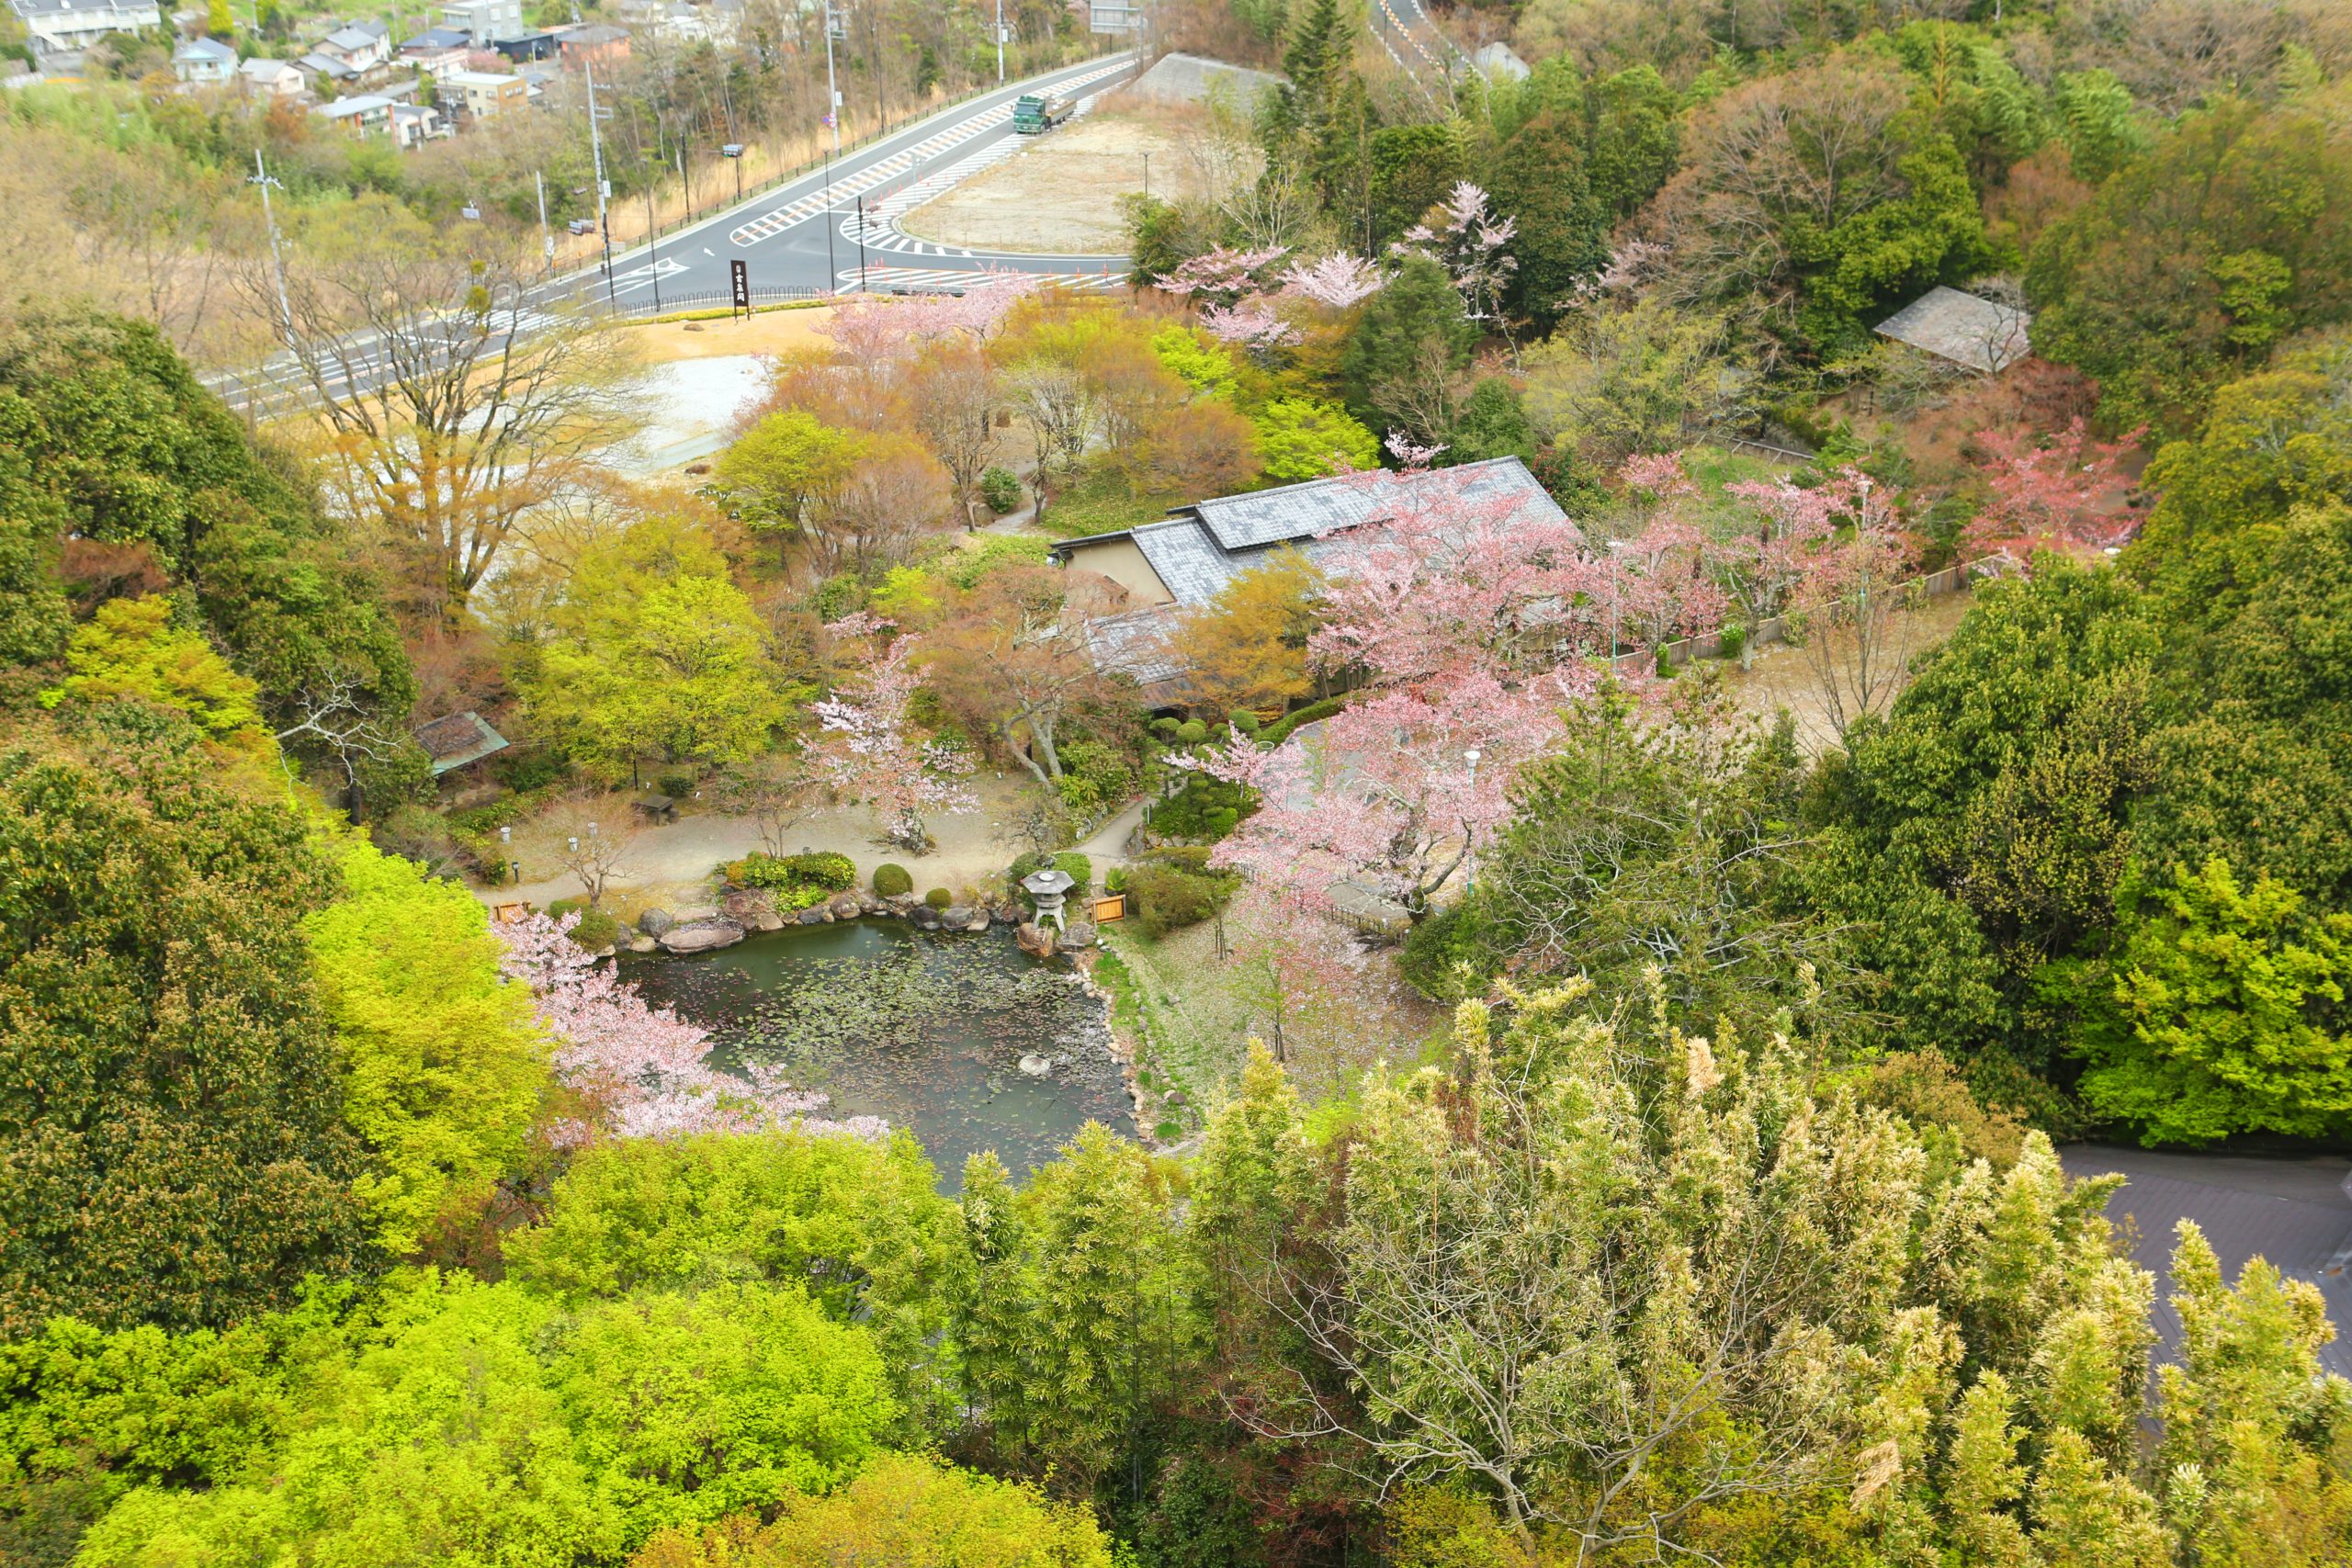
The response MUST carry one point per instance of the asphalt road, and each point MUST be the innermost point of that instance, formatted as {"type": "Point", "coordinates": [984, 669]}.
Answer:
{"type": "Point", "coordinates": [830, 231]}
{"type": "Point", "coordinates": [805, 234]}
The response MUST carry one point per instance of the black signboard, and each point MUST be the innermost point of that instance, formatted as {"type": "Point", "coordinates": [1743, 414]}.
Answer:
{"type": "Point", "coordinates": [742, 285]}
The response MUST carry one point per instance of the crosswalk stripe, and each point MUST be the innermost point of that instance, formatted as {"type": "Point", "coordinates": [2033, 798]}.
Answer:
{"type": "Point", "coordinates": [849, 186]}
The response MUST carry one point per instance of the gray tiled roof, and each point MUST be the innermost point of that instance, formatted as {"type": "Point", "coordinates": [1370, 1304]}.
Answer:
{"type": "Point", "coordinates": [1136, 642]}
{"type": "Point", "coordinates": [2295, 1213]}
{"type": "Point", "coordinates": [1966, 328]}
{"type": "Point", "coordinates": [1207, 544]}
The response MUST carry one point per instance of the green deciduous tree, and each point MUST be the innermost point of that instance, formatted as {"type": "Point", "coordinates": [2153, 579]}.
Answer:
{"type": "Point", "coordinates": [448, 1066]}
{"type": "Point", "coordinates": [1300, 438]}
{"type": "Point", "coordinates": [171, 1124]}
{"type": "Point", "coordinates": [655, 649]}
{"type": "Point", "coordinates": [907, 1511]}
{"type": "Point", "coordinates": [859, 1223]}
{"type": "Point", "coordinates": [2164, 283]}
{"type": "Point", "coordinates": [2227, 1013]}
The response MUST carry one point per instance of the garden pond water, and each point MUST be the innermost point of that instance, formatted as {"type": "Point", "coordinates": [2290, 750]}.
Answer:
{"type": "Point", "coordinates": [925, 1029]}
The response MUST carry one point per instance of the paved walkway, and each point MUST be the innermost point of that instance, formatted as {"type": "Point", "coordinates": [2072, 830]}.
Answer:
{"type": "Point", "coordinates": [669, 866]}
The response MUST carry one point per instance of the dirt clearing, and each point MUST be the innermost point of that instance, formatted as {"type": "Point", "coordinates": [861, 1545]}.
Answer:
{"type": "Point", "coordinates": [1059, 195]}
{"type": "Point", "coordinates": [772, 332]}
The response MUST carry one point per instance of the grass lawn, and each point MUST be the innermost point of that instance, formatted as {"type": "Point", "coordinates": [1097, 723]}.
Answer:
{"type": "Point", "coordinates": [1098, 503]}
{"type": "Point", "coordinates": [1193, 1016]}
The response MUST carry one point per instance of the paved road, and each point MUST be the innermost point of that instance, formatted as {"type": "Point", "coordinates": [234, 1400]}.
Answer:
{"type": "Point", "coordinates": [805, 234]}
{"type": "Point", "coordinates": [826, 232]}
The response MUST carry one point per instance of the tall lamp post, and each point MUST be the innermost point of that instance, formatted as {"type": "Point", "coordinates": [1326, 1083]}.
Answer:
{"type": "Point", "coordinates": [261, 176]}
{"type": "Point", "coordinates": [1469, 844]}
{"type": "Point", "coordinates": [834, 119]}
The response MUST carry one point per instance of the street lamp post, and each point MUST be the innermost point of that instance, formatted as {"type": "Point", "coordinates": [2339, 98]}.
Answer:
{"type": "Point", "coordinates": [1469, 844]}
{"type": "Point", "coordinates": [604, 186]}
{"type": "Point", "coordinates": [834, 119]}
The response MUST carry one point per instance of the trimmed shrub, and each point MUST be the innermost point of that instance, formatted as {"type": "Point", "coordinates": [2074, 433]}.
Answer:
{"type": "Point", "coordinates": [1168, 899]}
{"type": "Point", "coordinates": [596, 930]}
{"type": "Point", "coordinates": [1435, 951]}
{"type": "Point", "coordinates": [1243, 720]}
{"type": "Point", "coordinates": [939, 898]}
{"type": "Point", "coordinates": [1192, 732]}
{"type": "Point", "coordinates": [677, 786]}
{"type": "Point", "coordinates": [892, 881]}
{"type": "Point", "coordinates": [1079, 869]}
{"type": "Point", "coordinates": [1282, 728]}
{"type": "Point", "coordinates": [826, 872]}
{"type": "Point", "coordinates": [1001, 488]}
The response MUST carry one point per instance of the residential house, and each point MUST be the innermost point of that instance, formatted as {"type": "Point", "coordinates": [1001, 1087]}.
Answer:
{"type": "Point", "coordinates": [204, 62]}
{"type": "Point", "coordinates": [414, 125]}
{"type": "Point", "coordinates": [362, 114]}
{"type": "Point", "coordinates": [1168, 567]}
{"type": "Point", "coordinates": [599, 44]}
{"type": "Point", "coordinates": [325, 74]}
{"type": "Point", "coordinates": [437, 52]}
{"type": "Point", "coordinates": [271, 79]}
{"type": "Point", "coordinates": [363, 46]}
{"type": "Point", "coordinates": [67, 26]}
{"type": "Point", "coordinates": [484, 22]}
{"type": "Point", "coordinates": [532, 44]}
{"type": "Point", "coordinates": [478, 95]}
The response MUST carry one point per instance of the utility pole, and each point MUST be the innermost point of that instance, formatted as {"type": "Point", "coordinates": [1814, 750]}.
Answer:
{"type": "Point", "coordinates": [604, 186]}
{"type": "Point", "coordinates": [277, 255]}
{"type": "Point", "coordinates": [860, 241]}
{"type": "Point", "coordinates": [832, 118]}
{"type": "Point", "coordinates": [653, 227]}
{"type": "Point", "coordinates": [1000, 42]}
{"type": "Point", "coordinates": [547, 240]}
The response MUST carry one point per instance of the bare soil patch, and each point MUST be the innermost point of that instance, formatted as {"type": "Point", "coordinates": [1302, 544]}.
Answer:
{"type": "Point", "coordinates": [1059, 195]}
{"type": "Point", "coordinates": [1783, 677]}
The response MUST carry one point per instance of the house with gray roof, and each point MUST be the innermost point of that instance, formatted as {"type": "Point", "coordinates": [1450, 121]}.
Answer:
{"type": "Point", "coordinates": [203, 62]}
{"type": "Point", "coordinates": [65, 27]}
{"type": "Point", "coordinates": [1189, 557]}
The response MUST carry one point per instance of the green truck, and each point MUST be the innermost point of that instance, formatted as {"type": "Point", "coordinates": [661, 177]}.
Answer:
{"type": "Point", "coordinates": [1035, 112]}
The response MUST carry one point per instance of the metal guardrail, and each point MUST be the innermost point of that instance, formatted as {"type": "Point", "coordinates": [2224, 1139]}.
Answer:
{"type": "Point", "coordinates": [707, 299]}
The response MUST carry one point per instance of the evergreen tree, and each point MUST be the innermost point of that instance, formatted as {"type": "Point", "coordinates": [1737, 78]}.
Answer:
{"type": "Point", "coordinates": [1562, 233]}
{"type": "Point", "coordinates": [1412, 331]}
{"type": "Point", "coordinates": [171, 1097]}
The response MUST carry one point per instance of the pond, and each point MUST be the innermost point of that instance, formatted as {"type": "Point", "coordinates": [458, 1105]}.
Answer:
{"type": "Point", "coordinates": [925, 1029]}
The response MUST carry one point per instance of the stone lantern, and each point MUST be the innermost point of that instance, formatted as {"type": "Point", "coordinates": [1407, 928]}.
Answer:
{"type": "Point", "coordinates": [1048, 887]}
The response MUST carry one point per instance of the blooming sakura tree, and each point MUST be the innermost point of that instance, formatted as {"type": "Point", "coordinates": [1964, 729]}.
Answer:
{"type": "Point", "coordinates": [1851, 611]}
{"type": "Point", "coordinates": [1392, 801]}
{"type": "Point", "coordinates": [1455, 580]}
{"type": "Point", "coordinates": [1223, 277]}
{"type": "Point", "coordinates": [1251, 325]}
{"type": "Point", "coordinates": [1762, 564]}
{"type": "Point", "coordinates": [2046, 493]}
{"type": "Point", "coordinates": [1338, 282]}
{"type": "Point", "coordinates": [866, 331]}
{"type": "Point", "coordinates": [641, 1070]}
{"type": "Point", "coordinates": [873, 757]}
{"type": "Point", "coordinates": [1470, 243]}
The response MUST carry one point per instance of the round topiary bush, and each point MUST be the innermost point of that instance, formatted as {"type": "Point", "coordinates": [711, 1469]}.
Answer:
{"type": "Point", "coordinates": [939, 898]}
{"type": "Point", "coordinates": [1001, 488]}
{"type": "Point", "coordinates": [596, 930]}
{"type": "Point", "coordinates": [1079, 869]}
{"type": "Point", "coordinates": [1243, 720]}
{"type": "Point", "coordinates": [1192, 732]}
{"type": "Point", "coordinates": [892, 881]}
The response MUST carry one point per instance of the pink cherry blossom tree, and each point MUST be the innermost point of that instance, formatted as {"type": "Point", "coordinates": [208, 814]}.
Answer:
{"type": "Point", "coordinates": [641, 1071]}
{"type": "Point", "coordinates": [1452, 579]}
{"type": "Point", "coordinates": [2049, 493]}
{"type": "Point", "coordinates": [1221, 275]}
{"type": "Point", "coordinates": [1779, 536]}
{"type": "Point", "coordinates": [1250, 326]}
{"type": "Point", "coordinates": [868, 330]}
{"type": "Point", "coordinates": [1390, 800]}
{"type": "Point", "coordinates": [1338, 282]}
{"type": "Point", "coordinates": [873, 757]}
{"type": "Point", "coordinates": [1472, 244]}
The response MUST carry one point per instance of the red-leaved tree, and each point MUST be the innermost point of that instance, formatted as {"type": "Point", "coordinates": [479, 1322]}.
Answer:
{"type": "Point", "coordinates": [2048, 493]}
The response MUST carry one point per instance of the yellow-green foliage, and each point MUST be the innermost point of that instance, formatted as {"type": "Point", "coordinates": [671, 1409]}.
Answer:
{"type": "Point", "coordinates": [132, 649]}
{"type": "Point", "coordinates": [448, 1066]}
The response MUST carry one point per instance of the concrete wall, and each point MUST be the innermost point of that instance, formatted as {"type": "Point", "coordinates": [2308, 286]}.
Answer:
{"type": "Point", "coordinates": [1122, 560]}
{"type": "Point", "coordinates": [1186, 79]}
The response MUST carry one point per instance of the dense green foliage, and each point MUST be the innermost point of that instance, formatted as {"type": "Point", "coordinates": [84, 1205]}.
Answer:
{"type": "Point", "coordinates": [106, 436]}
{"type": "Point", "coordinates": [172, 1120]}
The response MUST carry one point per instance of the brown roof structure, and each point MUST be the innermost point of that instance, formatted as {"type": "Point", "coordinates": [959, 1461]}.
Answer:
{"type": "Point", "coordinates": [460, 738]}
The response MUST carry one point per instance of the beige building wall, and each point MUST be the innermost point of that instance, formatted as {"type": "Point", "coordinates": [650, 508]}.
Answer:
{"type": "Point", "coordinates": [1122, 560]}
